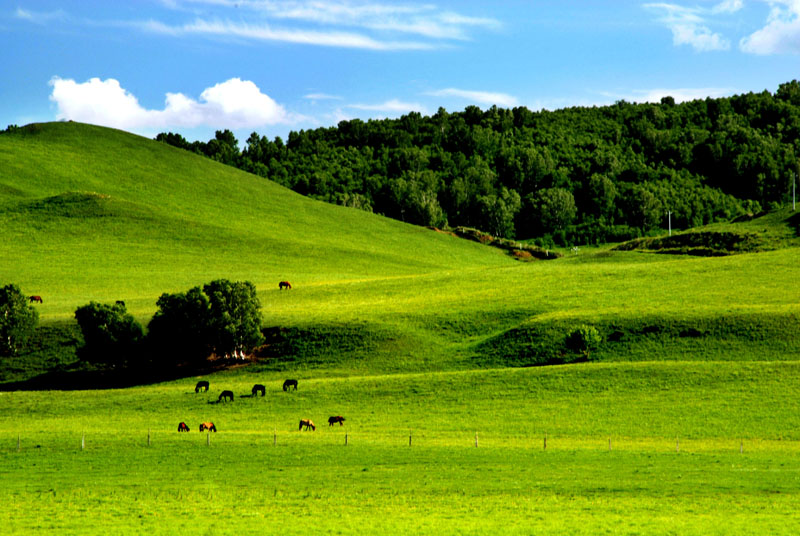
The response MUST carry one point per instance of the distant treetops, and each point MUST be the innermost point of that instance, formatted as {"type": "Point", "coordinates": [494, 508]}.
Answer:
{"type": "Point", "coordinates": [569, 176]}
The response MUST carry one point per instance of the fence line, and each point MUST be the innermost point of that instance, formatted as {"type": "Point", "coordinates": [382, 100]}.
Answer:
{"type": "Point", "coordinates": [450, 440]}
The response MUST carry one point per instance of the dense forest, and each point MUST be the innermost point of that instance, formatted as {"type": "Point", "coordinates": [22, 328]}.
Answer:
{"type": "Point", "coordinates": [571, 176]}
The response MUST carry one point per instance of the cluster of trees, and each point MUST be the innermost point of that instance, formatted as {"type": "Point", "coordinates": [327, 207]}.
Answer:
{"type": "Point", "coordinates": [221, 317]}
{"type": "Point", "coordinates": [573, 175]}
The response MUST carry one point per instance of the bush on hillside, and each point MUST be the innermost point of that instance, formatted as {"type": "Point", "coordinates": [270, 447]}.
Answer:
{"type": "Point", "coordinates": [18, 320]}
{"type": "Point", "coordinates": [111, 335]}
{"type": "Point", "coordinates": [583, 340]}
{"type": "Point", "coordinates": [223, 318]}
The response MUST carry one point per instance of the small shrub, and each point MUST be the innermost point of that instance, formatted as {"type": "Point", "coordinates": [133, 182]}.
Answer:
{"type": "Point", "coordinates": [583, 340]}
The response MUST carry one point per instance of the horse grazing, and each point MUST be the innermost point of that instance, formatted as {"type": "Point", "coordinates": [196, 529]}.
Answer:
{"type": "Point", "coordinates": [333, 420]}
{"type": "Point", "coordinates": [208, 426]}
{"type": "Point", "coordinates": [182, 427]}
{"type": "Point", "coordinates": [289, 384]}
{"type": "Point", "coordinates": [202, 384]}
{"type": "Point", "coordinates": [284, 285]}
{"type": "Point", "coordinates": [258, 388]}
{"type": "Point", "coordinates": [224, 396]}
{"type": "Point", "coordinates": [307, 423]}
{"type": "Point", "coordinates": [35, 299]}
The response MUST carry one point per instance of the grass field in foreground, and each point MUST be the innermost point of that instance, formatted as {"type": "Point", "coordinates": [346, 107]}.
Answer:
{"type": "Point", "coordinates": [674, 467]}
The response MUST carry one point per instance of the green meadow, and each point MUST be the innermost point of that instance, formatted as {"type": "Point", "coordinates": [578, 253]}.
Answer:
{"type": "Point", "coordinates": [683, 421]}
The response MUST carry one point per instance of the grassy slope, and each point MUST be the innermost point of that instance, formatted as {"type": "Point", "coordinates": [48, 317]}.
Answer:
{"type": "Point", "coordinates": [94, 213]}
{"type": "Point", "coordinates": [380, 296]}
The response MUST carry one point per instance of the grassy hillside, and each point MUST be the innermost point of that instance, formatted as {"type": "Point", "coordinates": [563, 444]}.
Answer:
{"type": "Point", "coordinates": [94, 213]}
{"type": "Point", "coordinates": [91, 213]}
{"type": "Point", "coordinates": [683, 423]}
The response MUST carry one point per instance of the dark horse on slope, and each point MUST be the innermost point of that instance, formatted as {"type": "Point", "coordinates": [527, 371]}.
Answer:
{"type": "Point", "coordinates": [289, 384]}
{"type": "Point", "coordinates": [202, 384]}
{"type": "Point", "coordinates": [284, 285]}
{"type": "Point", "coordinates": [182, 427]}
{"type": "Point", "coordinates": [224, 396]}
{"type": "Point", "coordinates": [334, 420]}
{"type": "Point", "coordinates": [35, 299]}
{"type": "Point", "coordinates": [208, 426]}
{"type": "Point", "coordinates": [258, 388]}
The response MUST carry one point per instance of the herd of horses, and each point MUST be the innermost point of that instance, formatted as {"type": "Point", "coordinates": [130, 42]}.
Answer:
{"type": "Point", "coordinates": [258, 388]}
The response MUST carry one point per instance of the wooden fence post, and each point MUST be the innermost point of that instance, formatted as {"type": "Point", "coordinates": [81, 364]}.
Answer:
{"type": "Point", "coordinates": [609, 443]}
{"type": "Point", "coordinates": [148, 437]}
{"type": "Point", "coordinates": [545, 442]}
{"type": "Point", "coordinates": [741, 446]}
{"type": "Point", "coordinates": [83, 440]}
{"type": "Point", "coordinates": [677, 444]}
{"type": "Point", "coordinates": [345, 439]}
{"type": "Point", "coordinates": [409, 438]}
{"type": "Point", "coordinates": [476, 439]}
{"type": "Point", "coordinates": [208, 439]}
{"type": "Point", "coordinates": [274, 438]}
{"type": "Point", "coordinates": [18, 443]}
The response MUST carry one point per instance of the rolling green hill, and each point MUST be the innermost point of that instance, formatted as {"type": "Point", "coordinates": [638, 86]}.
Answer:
{"type": "Point", "coordinates": [683, 422]}
{"type": "Point", "coordinates": [91, 213]}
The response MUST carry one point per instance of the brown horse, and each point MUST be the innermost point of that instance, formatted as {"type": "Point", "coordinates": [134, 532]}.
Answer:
{"type": "Point", "coordinates": [307, 423]}
{"type": "Point", "coordinates": [284, 285]}
{"type": "Point", "coordinates": [224, 396]}
{"type": "Point", "coordinates": [35, 299]}
{"type": "Point", "coordinates": [334, 420]}
{"type": "Point", "coordinates": [182, 427]}
{"type": "Point", "coordinates": [288, 384]}
{"type": "Point", "coordinates": [202, 384]}
{"type": "Point", "coordinates": [258, 388]}
{"type": "Point", "coordinates": [208, 426]}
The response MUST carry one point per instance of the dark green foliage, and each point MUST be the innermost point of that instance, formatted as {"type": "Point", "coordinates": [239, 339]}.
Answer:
{"type": "Point", "coordinates": [223, 317]}
{"type": "Point", "coordinates": [179, 330]}
{"type": "Point", "coordinates": [18, 320]}
{"type": "Point", "coordinates": [583, 340]}
{"type": "Point", "coordinates": [111, 335]}
{"type": "Point", "coordinates": [235, 316]}
{"type": "Point", "coordinates": [511, 172]}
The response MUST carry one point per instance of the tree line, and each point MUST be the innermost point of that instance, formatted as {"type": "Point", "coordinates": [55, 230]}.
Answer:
{"type": "Point", "coordinates": [576, 175]}
{"type": "Point", "coordinates": [222, 318]}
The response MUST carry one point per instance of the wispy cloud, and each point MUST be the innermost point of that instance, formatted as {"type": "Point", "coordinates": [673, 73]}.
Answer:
{"type": "Point", "coordinates": [287, 35]}
{"type": "Point", "coordinates": [689, 25]}
{"type": "Point", "coordinates": [679, 94]}
{"type": "Point", "coordinates": [39, 17]}
{"type": "Point", "coordinates": [781, 34]}
{"type": "Point", "coordinates": [393, 106]}
{"type": "Point", "coordinates": [234, 103]}
{"type": "Point", "coordinates": [333, 23]}
{"type": "Point", "coordinates": [477, 97]}
{"type": "Point", "coordinates": [321, 96]}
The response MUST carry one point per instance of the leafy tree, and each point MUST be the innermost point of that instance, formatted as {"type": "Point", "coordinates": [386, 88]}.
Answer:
{"type": "Point", "coordinates": [111, 335]}
{"type": "Point", "coordinates": [18, 319]}
{"type": "Point", "coordinates": [583, 340]}
{"type": "Point", "coordinates": [550, 209]}
{"type": "Point", "coordinates": [179, 330]}
{"type": "Point", "coordinates": [235, 316]}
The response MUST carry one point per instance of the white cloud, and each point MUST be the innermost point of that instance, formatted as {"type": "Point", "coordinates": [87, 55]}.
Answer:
{"type": "Point", "coordinates": [392, 106]}
{"type": "Point", "coordinates": [728, 6]}
{"type": "Point", "coordinates": [234, 103]}
{"type": "Point", "coordinates": [329, 18]}
{"type": "Point", "coordinates": [39, 17]}
{"type": "Point", "coordinates": [689, 26]}
{"type": "Point", "coordinates": [287, 35]}
{"type": "Point", "coordinates": [781, 35]}
{"type": "Point", "coordinates": [321, 96]}
{"type": "Point", "coordinates": [480, 97]}
{"type": "Point", "coordinates": [679, 94]}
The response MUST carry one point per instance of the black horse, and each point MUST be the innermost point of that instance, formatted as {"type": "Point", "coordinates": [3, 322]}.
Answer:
{"type": "Point", "coordinates": [202, 384]}
{"type": "Point", "coordinates": [258, 388]}
{"type": "Point", "coordinates": [182, 427]}
{"type": "Point", "coordinates": [289, 384]}
{"type": "Point", "coordinates": [224, 396]}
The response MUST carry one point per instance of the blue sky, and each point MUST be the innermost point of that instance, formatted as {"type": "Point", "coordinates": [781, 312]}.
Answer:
{"type": "Point", "coordinates": [272, 66]}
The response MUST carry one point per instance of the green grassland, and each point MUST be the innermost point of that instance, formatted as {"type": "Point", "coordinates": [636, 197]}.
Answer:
{"type": "Point", "coordinates": [684, 421]}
